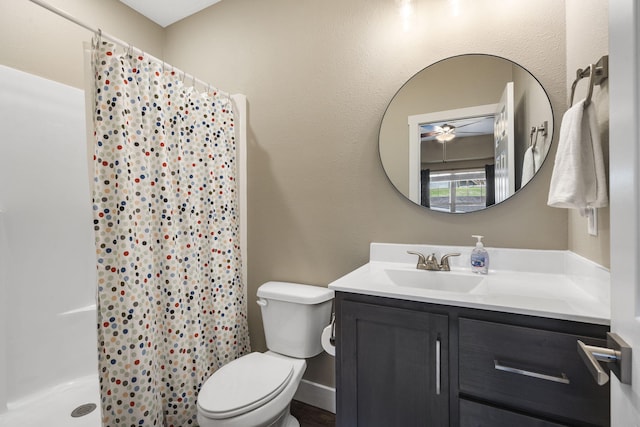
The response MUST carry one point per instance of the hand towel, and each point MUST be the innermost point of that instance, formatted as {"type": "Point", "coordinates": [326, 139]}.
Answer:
{"type": "Point", "coordinates": [528, 165]}
{"type": "Point", "coordinates": [578, 180]}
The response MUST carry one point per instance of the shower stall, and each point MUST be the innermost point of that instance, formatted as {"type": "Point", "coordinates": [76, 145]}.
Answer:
{"type": "Point", "coordinates": [48, 357]}
{"type": "Point", "coordinates": [48, 362]}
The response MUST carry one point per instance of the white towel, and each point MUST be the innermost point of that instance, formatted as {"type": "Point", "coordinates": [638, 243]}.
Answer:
{"type": "Point", "coordinates": [578, 180]}
{"type": "Point", "coordinates": [528, 165]}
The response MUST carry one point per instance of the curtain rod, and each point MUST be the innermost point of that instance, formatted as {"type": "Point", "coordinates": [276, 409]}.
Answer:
{"type": "Point", "coordinates": [116, 40]}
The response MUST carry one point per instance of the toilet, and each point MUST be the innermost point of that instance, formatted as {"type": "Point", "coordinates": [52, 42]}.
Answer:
{"type": "Point", "coordinates": [256, 390]}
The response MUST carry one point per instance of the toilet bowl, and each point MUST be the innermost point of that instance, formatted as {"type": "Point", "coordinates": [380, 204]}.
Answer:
{"type": "Point", "coordinates": [256, 390]}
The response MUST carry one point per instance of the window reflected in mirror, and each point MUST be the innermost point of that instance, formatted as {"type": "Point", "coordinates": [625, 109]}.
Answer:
{"type": "Point", "coordinates": [456, 191]}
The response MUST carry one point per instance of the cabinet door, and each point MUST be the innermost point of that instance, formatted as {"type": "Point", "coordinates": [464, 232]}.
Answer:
{"type": "Point", "coordinates": [392, 367]}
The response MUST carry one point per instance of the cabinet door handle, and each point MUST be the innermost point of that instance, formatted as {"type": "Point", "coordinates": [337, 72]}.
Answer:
{"type": "Point", "coordinates": [438, 366]}
{"type": "Point", "coordinates": [558, 379]}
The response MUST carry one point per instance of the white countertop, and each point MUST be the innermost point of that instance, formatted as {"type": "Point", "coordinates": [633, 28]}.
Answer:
{"type": "Point", "coordinates": [559, 284]}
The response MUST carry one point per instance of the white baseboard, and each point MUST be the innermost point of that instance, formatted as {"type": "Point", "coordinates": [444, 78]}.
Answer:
{"type": "Point", "coordinates": [317, 395]}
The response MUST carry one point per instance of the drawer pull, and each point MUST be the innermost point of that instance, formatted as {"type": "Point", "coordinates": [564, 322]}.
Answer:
{"type": "Point", "coordinates": [438, 366]}
{"type": "Point", "coordinates": [558, 379]}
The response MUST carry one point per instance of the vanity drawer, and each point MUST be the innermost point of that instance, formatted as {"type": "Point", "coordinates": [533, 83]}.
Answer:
{"type": "Point", "coordinates": [528, 369]}
{"type": "Point", "coordinates": [473, 414]}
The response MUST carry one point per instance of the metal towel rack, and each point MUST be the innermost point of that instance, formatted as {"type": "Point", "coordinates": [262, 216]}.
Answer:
{"type": "Point", "coordinates": [543, 128]}
{"type": "Point", "coordinates": [597, 74]}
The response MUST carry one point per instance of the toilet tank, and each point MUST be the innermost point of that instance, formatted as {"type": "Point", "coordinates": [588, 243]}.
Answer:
{"type": "Point", "coordinates": [294, 316]}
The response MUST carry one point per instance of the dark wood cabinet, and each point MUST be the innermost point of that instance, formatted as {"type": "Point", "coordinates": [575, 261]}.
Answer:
{"type": "Point", "coordinates": [405, 363]}
{"type": "Point", "coordinates": [395, 362]}
{"type": "Point", "coordinates": [474, 414]}
{"type": "Point", "coordinates": [532, 370]}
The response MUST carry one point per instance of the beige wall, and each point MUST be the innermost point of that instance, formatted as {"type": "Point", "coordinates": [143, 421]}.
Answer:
{"type": "Point", "coordinates": [587, 41]}
{"type": "Point", "coordinates": [36, 41]}
{"type": "Point", "coordinates": [318, 77]}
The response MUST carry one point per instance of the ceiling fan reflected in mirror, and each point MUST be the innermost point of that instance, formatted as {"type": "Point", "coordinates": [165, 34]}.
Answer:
{"type": "Point", "coordinates": [447, 131]}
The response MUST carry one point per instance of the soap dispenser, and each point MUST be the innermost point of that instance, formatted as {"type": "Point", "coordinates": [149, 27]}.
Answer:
{"type": "Point", "coordinates": [479, 257]}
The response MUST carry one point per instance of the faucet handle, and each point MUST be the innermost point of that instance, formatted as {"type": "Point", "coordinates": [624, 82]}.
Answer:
{"type": "Point", "coordinates": [444, 262]}
{"type": "Point", "coordinates": [432, 262]}
{"type": "Point", "coordinates": [422, 263]}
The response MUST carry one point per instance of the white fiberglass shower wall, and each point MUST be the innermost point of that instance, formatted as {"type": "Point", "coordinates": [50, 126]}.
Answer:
{"type": "Point", "coordinates": [47, 262]}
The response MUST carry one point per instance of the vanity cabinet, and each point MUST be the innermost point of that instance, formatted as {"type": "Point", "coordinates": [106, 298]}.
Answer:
{"type": "Point", "coordinates": [393, 366]}
{"type": "Point", "coordinates": [532, 370]}
{"type": "Point", "coordinates": [406, 363]}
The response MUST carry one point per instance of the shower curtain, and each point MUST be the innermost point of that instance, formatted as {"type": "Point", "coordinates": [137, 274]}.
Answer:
{"type": "Point", "coordinates": [171, 307]}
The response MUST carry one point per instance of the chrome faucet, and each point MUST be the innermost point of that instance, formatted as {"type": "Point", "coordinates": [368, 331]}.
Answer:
{"type": "Point", "coordinates": [430, 262]}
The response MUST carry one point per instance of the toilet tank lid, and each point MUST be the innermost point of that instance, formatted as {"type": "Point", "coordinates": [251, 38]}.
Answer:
{"type": "Point", "coordinates": [295, 292]}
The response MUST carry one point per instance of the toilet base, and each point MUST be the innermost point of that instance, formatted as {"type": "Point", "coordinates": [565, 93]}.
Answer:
{"type": "Point", "coordinates": [285, 419]}
{"type": "Point", "coordinates": [290, 421]}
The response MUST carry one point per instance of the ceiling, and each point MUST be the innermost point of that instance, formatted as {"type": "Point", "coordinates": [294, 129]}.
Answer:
{"type": "Point", "coordinates": [166, 12]}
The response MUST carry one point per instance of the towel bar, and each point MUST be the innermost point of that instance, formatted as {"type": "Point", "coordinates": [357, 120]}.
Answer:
{"type": "Point", "coordinates": [597, 74]}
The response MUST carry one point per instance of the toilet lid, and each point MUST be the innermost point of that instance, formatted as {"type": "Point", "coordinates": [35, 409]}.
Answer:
{"type": "Point", "coordinates": [243, 385]}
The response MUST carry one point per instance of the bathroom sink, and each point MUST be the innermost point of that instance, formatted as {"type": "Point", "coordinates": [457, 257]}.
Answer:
{"type": "Point", "coordinates": [434, 280]}
{"type": "Point", "coordinates": [547, 283]}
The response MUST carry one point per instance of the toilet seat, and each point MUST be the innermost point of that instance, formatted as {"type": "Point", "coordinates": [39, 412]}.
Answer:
{"type": "Point", "coordinates": [243, 385]}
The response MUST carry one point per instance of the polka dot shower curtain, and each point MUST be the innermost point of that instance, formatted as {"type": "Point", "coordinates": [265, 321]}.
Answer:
{"type": "Point", "coordinates": [171, 306]}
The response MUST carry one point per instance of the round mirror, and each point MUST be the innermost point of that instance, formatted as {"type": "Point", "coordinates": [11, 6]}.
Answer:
{"type": "Point", "coordinates": [466, 133]}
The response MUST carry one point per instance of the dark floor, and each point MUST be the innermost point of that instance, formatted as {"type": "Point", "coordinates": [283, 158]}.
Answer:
{"type": "Point", "coordinates": [310, 416]}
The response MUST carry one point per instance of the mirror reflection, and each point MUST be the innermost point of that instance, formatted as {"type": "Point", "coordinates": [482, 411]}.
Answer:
{"type": "Point", "coordinates": [466, 133]}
